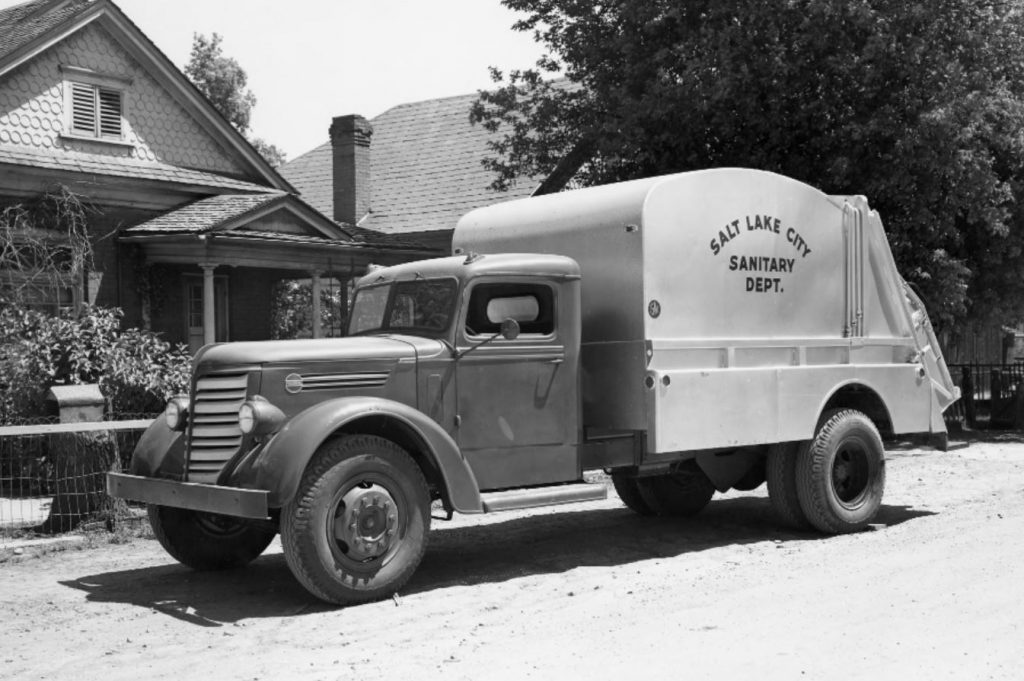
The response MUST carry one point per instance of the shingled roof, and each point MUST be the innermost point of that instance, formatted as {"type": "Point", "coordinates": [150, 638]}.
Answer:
{"type": "Point", "coordinates": [425, 167]}
{"type": "Point", "coordinates": [21, 24]}
{"type": "Point", "coordinates": [128, 168]}
{"type": "Point", "coordinates": [227, 213]}
{"type": "Point", "coordinates": [206, 214]}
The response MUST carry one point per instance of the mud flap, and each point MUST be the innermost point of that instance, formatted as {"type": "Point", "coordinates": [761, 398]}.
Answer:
{"type": "Point", "coordinates": [939, 437]}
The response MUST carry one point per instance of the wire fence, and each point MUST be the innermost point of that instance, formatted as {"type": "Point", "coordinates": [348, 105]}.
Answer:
{"type": "Point", "coordinates": [53, 476]}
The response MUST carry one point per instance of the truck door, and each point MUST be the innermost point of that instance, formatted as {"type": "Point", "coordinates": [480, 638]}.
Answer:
{"type": "Point", "coordinates": [517, 398]}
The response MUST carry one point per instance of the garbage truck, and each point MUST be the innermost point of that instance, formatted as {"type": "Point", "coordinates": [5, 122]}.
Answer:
{"type": "Point", "coordinates": [675, 337]}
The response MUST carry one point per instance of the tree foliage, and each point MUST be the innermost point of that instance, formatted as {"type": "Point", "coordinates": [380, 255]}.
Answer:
{"type": "Point", "coordinates": [223, 81]}
{"type": "Point", "coordinates": [275, 155]}
{"type": "Point", "coordinates": [291, 309]}
{"type": "Point", "coordinates": [919, 106]}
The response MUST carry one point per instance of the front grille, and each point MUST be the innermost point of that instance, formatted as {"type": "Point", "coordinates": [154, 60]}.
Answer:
{"type": "Point", "coordinates": [216, 437]}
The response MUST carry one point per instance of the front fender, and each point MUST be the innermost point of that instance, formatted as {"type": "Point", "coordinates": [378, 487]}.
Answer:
{"type": "Point", "coordinates": [159, 453]}
{"type": "Point", "coordinates": [278, 465]}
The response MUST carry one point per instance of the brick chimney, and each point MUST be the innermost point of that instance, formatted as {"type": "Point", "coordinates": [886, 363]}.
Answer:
{"type": "Point", "coordinates": [350, 146]}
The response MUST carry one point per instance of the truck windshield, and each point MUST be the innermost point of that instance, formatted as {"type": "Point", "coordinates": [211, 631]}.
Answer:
{"type": "Point", "coordinates": [421, 306]}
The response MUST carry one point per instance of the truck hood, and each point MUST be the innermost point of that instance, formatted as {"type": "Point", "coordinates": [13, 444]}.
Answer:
{"type": "Point", "coordinates": [391, 347]}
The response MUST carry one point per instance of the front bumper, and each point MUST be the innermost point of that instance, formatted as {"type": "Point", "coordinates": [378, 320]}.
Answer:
{"type": "Point", "coordinates": [233, 501]}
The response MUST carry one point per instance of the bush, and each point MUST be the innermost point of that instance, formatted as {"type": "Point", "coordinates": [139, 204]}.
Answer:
{"type": "Point", "coordinates": [136, 371]}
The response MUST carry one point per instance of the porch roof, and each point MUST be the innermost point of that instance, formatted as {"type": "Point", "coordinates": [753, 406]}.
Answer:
{"type": "Point", "coordinates": [238, 230]}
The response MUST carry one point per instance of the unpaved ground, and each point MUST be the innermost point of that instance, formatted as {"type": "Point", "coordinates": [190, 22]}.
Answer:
{"type": "Point", "coordinates": [589, 591]}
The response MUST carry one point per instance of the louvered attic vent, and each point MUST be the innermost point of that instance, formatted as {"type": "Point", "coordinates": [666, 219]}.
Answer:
{"type": "Point", "coordinates": [95, 111]}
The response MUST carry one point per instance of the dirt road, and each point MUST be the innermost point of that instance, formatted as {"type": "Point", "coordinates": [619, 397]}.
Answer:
{"type": "Point", "coordinates": [589, 591]}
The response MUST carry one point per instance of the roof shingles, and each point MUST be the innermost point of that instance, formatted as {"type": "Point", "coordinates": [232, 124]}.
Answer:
{"type": "Point", "coordinates": [213, 213]}
{"type": "Point", "coordinates": [206, 214]}
{"type": "Point", "coordinates": [21, 24]}
{"type": "Point", "coordinates": [425, 168]}
{"type": "Point", "coordinates": [126, 168]}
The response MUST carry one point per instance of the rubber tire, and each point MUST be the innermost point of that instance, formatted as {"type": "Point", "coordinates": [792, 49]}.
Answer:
{"type": "Point", "coordinates": [191, 538]}
{"type": "Point", "coordinates": [781, 474]}
{"type": "Point", "coordinates": [679, 494]}
{"type": "Point", "coordinates": [842, 432]}
{"type": "Point", "coordinates": [628, 490]}
{"type": "Point", "coordinates": [339, 465]}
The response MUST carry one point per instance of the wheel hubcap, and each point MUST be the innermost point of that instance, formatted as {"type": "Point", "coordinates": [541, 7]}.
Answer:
{"type": "Point", "coordinates": [365, 522]}
{"type": "Point", "coordinates": [850, 473]}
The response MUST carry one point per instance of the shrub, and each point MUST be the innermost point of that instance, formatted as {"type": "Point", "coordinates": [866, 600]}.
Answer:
{"type": "Point", "coordinates": [136, 371]}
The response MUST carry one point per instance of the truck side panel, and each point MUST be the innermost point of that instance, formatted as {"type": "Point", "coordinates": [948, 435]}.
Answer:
{"type": "Point", "coordinates": [714, 408]}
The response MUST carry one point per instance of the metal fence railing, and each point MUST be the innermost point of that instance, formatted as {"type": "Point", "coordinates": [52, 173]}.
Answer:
{"type": "Point", "coordinates": [991, 395]}
{"type": "Point", "coordinates": [53, 476]}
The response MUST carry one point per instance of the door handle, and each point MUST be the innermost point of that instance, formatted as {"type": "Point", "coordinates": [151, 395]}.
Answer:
{"type": "Point", "coordinates": [556, 360]}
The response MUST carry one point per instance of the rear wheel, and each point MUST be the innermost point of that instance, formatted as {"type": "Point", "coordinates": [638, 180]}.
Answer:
{"type": "Point", "coordinates": [207, 541]}
{"type": "Point", "coordinates": [628, 490]}
{"type": "Point", "coordinates": [781, 474]}
{"type": "Point", "coordinates": [841, 473]}
{"type": "Point", "coordinates": [683, 492]}
{"type": "Point", "coordinates": [357, 527]}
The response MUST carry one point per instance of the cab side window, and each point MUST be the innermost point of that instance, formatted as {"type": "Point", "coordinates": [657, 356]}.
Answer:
{"type": "Point", "coordinates": [532, 305]}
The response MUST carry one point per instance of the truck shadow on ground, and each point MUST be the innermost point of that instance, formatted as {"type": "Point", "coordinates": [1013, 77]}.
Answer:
{"type": "Point", "coordinates": [460, 555]}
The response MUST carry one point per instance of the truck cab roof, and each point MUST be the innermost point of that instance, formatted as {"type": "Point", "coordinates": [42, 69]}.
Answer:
{"type": "Point", "coordinates": [471, 265]}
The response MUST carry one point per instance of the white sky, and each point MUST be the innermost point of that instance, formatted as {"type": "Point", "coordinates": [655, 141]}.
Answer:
{"type": "Point", "coordinates": [311, 60]}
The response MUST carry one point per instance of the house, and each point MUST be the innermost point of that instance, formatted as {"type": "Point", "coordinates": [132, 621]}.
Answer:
{"type": "Point", "coordinates": [411, 172]}
{"type": "Point", "coordinates": [190, 227]}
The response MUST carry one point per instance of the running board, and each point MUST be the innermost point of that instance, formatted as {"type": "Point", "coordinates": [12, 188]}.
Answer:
{"type": "Point", "coordinates": [544, 496]}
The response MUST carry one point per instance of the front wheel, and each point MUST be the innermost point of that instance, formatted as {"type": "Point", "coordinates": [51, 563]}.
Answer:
{"type": "Point", "coordinates": [357, 527]}
{"type": "Point", "coordinates": [841, 473]}
{"type": "Point", "coordinates": [207, 541]}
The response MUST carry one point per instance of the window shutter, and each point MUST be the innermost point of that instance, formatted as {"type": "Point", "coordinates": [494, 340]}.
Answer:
{"type": "Point", "coordinates": [83, 109]}
{"type": "Point", "coordinates": [110, 112]}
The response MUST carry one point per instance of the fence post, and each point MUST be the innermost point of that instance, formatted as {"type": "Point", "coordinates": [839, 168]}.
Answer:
{"type": "Point", "coordinates": [77, 403]}
{"type": "Point", "coordinates": [1018, 406]}
{"type": "Point", "coordinates": [967, 395]}
{"type": "Point", "coordinates": [80, 460]}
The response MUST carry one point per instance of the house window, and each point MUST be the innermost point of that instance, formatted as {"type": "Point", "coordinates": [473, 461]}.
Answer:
{"type": "Point", "coordinates": [96, 111]}
{"type": "Point", "coordinates": [52, 297]}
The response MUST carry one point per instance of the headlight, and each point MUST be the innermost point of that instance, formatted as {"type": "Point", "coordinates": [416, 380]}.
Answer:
{"type": "Point", "coordinates": [176, 413]}
{"type": "Point", "coordinates": [246, 418]}
{"type": "Point", "coordinates": [259, 417]}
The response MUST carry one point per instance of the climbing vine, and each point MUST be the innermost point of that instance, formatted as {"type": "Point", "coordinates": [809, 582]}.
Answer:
{"type": "Point", "coordinates": [44, 244]}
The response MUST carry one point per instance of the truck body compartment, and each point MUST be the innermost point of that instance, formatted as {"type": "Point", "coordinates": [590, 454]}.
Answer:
{"type": "Point", "coordinates": [723, 308]}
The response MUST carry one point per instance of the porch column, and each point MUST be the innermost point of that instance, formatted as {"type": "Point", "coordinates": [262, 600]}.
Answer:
{"type": "Point", "coordinates": [317, 331]}
{"type": "Point", "coordinates": [209, 311]}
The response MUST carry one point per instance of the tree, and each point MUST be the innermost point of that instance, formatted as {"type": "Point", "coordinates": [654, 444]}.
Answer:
{"type": "Point", "coordinates": [223, 81]}
{"type": "Point", "coordinates": [919, 106]}
{"type": "Point", "coordinates": [275, 155]}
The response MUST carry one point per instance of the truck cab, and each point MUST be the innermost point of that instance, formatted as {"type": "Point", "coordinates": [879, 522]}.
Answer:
{"type": "Point", "coordinates": [510, 403]}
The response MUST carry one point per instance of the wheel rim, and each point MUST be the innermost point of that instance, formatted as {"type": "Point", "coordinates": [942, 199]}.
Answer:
{"type": "Point", "coordinates": [366, 524]}
{"type": "Point", "coordinates": [851, 473]}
